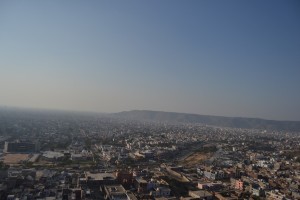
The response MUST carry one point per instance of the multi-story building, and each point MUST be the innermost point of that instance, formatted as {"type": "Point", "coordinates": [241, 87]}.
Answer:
{"type": "Point", "coordinates": [21, 147]}
{"type": "Point", "coordinates": [239, 185]}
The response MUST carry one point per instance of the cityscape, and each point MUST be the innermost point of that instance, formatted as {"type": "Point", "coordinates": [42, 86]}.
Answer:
{"type": "Point", "coordinates": [69, 155]}
{"type": "Point", "coordinates": [150, 100]}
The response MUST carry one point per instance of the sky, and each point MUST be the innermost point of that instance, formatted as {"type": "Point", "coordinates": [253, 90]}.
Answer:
{"type": "Point", "coordinates": [228, 58]}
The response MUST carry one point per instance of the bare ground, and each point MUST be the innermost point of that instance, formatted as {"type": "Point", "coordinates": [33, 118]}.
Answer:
{"type": "Point", "coordinates": [15, 158]}
{"type": "Point", "coordinates": [195, 159]}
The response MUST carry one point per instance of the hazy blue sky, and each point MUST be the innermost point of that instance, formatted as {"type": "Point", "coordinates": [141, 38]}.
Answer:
{"type": "Point", "coordinates": [231, 58]}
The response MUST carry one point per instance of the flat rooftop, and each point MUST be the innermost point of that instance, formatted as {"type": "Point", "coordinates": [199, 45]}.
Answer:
{"type": "Point", "coordinates": [99, 176]}
{"type": "Point", "coordinates": [115, 188]}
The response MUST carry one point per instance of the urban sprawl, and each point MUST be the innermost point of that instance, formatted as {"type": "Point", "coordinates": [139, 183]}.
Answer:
{"type": "Point", "coordinates": [93, 157]}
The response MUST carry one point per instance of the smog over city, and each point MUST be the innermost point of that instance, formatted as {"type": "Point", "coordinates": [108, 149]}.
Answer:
{"type": "Point", "coordinates": [162, 100]}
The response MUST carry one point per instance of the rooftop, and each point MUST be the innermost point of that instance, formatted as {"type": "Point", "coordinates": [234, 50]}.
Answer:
{"type": "Point", "coordinates": [99, 176]}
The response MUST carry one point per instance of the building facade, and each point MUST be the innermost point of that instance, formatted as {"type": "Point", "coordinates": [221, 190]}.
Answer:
{"type": "Point", "coordinates": [21, 147]}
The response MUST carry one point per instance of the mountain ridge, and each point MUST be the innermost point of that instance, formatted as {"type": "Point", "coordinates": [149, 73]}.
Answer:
{"type": "Point", "coordinates": [222, 121]}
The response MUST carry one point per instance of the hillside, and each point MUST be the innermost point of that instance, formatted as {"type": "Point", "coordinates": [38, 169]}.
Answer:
{"type": "Point", "coordinates": [235, 122]}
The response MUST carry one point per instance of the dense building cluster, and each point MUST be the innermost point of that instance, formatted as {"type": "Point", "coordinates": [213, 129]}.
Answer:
{"type": "Point", "coordinates": [72, 156]}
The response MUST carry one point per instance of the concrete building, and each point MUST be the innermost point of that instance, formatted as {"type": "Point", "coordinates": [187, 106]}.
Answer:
{"type": "Point", "coordinates": [161, 192]}
{"type": "Point", "coordinates": [237, 184]}
{"type": "Point", "coordinates": [214, 175]}
{"type": "Point", "coordinates": [115, 192]}
{"type": "Point", "coordinates": [21, 147]}
{"type": "Point", "coordinates": [98, 179]}
{"type": "Point", "coordinates": [275, 195]}
{"type": "Point", "coordinates": [52, 155]}
{"type": "Point", "coordinates": [210, 186]}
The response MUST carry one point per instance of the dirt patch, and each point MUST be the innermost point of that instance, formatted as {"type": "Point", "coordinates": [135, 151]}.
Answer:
{"type": "Point", "coordinates": [195, 159]}
{"type": "Point", "coordinates": [15, 158]}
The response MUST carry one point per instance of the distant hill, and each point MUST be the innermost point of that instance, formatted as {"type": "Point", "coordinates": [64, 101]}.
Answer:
{"type": "Point", "coordinates": [234, 122]}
